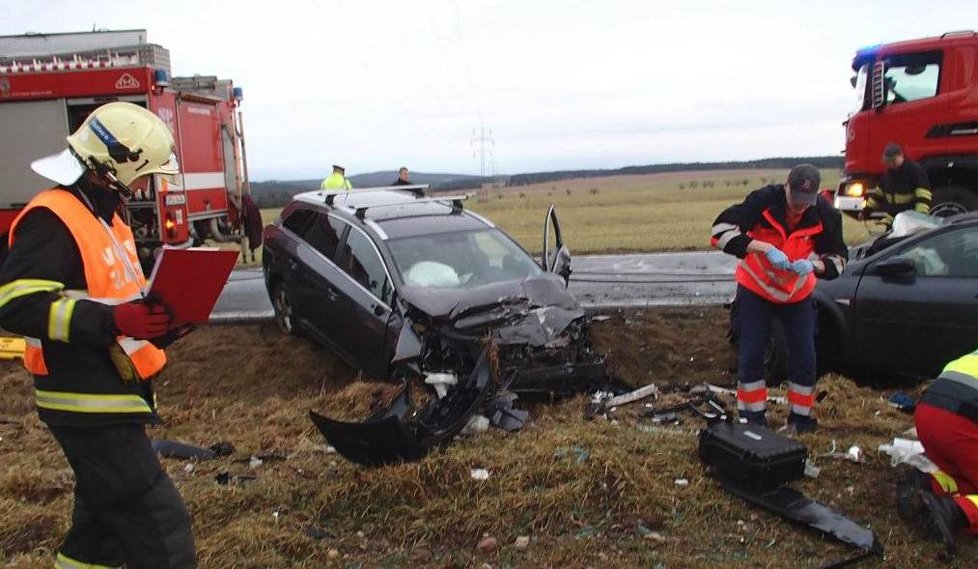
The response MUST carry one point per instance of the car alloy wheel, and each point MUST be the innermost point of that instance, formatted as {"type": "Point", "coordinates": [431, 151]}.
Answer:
{"type": "Point", "coordinates": [284, 314]}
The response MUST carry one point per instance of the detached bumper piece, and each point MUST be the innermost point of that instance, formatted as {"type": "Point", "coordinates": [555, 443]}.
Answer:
{"type": "Point", "coordinates": [793, 505]}
{"type": "Point", "coordinates": [387, 438]}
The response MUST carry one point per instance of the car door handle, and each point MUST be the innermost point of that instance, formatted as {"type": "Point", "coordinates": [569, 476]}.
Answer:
{"type": "Point", "coordinates": [330, 294]}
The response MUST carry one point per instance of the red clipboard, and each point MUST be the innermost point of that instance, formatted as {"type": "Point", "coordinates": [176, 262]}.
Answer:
{"type": "Point", "coordinates": [188, 281]}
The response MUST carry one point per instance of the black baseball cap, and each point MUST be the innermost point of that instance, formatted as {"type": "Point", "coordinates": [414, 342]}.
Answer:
{"type": "Point", "coordinates": [803, 180]}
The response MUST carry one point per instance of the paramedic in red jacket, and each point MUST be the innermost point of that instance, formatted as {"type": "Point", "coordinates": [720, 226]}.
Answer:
{"type": "Point", "coordinates": [785, 236]}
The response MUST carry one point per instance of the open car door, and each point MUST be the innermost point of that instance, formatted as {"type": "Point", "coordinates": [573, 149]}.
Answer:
{"type": "Point", "coordinates": [556, 257]}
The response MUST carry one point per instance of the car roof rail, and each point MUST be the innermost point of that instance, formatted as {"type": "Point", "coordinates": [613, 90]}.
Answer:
{"type": "Point", "coordinates": [361, 211]}
{"type": "Point", "coordinates": [417, 190]}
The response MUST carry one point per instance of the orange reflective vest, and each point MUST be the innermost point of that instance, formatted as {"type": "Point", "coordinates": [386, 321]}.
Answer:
{"type": "Point", "coordinates": [112, 275]}
{"type": "Point", "coordinates": [758, 275]}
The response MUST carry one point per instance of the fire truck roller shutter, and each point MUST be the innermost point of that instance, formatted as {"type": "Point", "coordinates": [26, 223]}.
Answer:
{"type": "Point", "coordinates": [45, 124]}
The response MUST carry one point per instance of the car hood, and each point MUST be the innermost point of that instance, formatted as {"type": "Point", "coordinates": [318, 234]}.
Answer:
{"type": "Point", "coordinates": [455, 304]}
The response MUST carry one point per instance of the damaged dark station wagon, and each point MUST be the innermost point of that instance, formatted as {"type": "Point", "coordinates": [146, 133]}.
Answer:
{"type": "Point", "coordinates": [412, 288]}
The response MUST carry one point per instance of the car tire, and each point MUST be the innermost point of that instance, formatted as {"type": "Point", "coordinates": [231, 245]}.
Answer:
{"type": "Point", "coordinates": [952, 200]}
{"type": "Point", "coordinates": [284, 310]}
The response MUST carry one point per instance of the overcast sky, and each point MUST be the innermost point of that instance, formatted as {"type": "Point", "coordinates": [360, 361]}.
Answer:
{"type": "Point", "coordinates": [561, 84]}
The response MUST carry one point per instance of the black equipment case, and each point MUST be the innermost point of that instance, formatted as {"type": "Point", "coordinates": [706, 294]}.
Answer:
{"type": "Point", "coordinates": [755, 458]}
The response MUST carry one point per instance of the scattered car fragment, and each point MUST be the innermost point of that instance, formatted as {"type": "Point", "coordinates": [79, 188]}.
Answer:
{"type": "Point", "coordinates": [183, 451]}
{"type": "Point", "coordinates": [420, 291]}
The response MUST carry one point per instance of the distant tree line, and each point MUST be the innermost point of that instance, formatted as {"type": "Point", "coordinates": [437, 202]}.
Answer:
{"type": "Point", "coordinates": [765, 163]}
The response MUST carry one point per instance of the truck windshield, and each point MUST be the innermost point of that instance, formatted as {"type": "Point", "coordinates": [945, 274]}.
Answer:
{"type": "Point", "coordinates": [860, 88]}
{"type": "Point", "coordinates": [462, 259]}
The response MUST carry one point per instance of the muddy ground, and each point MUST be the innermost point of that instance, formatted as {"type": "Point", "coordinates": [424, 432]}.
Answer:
{"type": "Point", "coordinates": [599, 493]}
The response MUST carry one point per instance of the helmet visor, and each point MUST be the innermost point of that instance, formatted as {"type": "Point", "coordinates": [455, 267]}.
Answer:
{"type": "Point", "coordinates": [62, 167]}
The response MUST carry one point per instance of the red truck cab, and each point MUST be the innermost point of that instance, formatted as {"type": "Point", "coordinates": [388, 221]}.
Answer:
{"type": "Point", "coordinates": [923, 95]}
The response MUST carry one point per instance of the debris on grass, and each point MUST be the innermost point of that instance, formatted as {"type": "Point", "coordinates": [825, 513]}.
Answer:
{"type": "Point", "coordinates": [479, 474]}
{"type": "Point", "coordinates": [578, 453]}
{"type": "Point", "coordinates": [487, 544]}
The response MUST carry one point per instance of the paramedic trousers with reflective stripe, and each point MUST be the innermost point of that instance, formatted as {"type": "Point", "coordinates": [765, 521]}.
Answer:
{"type": "Point", "coordinates": [754, 315]}
{"type": "Point", "coordinates": [951, 442]}
{"type": "Point", "coordinates": [127, 510]}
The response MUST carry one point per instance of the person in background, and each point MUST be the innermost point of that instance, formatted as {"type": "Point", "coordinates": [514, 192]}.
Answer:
{"type": "Point", "coordinates": [403, 177]}
{"type": "Point", "coordinates": [904, 187]}
{"type": "Point", "coordinates": [72, 286]}
{"type": "Point", "coordinates": [337, 180]}
{"type": "Point", "coordinates": [786, 235]}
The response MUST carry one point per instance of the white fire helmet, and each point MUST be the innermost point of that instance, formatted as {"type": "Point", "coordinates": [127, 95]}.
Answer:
{"type": "Point", "coordinates": [119, 142]}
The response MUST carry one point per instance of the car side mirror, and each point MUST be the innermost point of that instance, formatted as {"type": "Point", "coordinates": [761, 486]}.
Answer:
{"type": "Point", "coordinates": [895, 266]}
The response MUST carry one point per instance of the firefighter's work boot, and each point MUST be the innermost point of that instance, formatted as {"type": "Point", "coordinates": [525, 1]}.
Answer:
{"type": "Point", "coordinates": [940, 519]}
{"type": "Point", "coordinates": [758, 418]}
{"type": "Point", "coordinates": [799, 424]}
{"type": "Point", "coordinates": [909, 480]}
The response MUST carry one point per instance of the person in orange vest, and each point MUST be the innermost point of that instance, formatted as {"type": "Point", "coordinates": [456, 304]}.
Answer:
{"type": "Point", "coordinates": [945, 502]}
{"type": "Point", "coordinates": [72, 285]}
{"type": "Point", "coordinates": [786, 236]}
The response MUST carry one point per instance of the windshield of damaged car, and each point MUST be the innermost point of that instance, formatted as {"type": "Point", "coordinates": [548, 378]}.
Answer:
{"type": "Point", "coordinates": [462, 259]}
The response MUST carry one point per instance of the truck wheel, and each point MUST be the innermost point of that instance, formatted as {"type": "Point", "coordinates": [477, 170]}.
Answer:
{"type": "Point", "coordinates": [952, 200]}
{"type": "Point", "coordinates": [284, 310]}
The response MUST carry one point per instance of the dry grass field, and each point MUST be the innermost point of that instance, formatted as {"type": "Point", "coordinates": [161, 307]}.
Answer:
{"type": "Point", "coordinates": [599, 493]}
{"type": "Point", "coordinates": [629, 214]}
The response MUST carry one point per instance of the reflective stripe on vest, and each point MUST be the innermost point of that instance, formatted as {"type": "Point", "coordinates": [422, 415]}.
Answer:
{"type": "Point", "coordinates": [91, 402]}
{"type": "Point", "coordinates": [963, 370]}
{"type": "Point", "coordinates": [110, 278]}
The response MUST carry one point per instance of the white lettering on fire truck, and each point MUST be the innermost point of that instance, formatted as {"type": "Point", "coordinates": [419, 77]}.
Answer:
{"type": "Point", "coordinates": [198, 110]}
{"type": "Point", "coordinates": [127, 81]}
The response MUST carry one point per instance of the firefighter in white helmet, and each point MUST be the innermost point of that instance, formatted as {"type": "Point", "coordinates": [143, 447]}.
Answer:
{"type": "Point", "coordinates": [72, 285]}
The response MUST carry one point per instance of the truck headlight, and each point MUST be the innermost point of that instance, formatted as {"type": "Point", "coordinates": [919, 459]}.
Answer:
{"type": "Point", "coordinates": [855, 189]}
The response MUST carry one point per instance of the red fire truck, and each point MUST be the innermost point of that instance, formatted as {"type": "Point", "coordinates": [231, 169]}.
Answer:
{"type": "Point", "coordinates": [923, 95]}
{"type": "Point", "coordinates": [50, 83]}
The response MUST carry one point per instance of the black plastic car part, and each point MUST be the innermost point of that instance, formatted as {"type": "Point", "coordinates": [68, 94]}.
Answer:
{"type": "Point", "coordinates": [386, 438]}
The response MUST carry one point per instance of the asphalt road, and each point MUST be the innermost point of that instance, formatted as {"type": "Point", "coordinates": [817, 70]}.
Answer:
{"type": "Point", "coordinates": [598, 281]}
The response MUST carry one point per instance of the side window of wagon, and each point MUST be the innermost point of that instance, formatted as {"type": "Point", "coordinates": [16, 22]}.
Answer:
{"type": "Point", "coordinates": [323, 233]}
{"type": "Point", "coordinates": [297, 220]}
{"type": "Point", "coordinates": [361, 261]}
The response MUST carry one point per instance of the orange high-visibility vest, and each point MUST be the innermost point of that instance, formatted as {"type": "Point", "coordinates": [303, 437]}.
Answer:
{"type": "Point", "coordinates": [758, 275]}
{"type": "Point", "coordinates": [110, 278]}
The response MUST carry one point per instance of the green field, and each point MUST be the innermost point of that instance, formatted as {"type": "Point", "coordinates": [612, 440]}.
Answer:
{"type": "Point", "coordinates": [629, 214]}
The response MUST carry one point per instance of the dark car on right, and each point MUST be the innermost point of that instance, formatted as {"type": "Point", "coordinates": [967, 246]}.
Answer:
{"type": "Point", "coordinates": [902, 308]}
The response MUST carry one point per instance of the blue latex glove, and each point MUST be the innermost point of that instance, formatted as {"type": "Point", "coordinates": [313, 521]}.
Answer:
{"type": "Point", "coordinates": [802, 267]}
{"type": "Point", "coordinates": [778, 258]}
